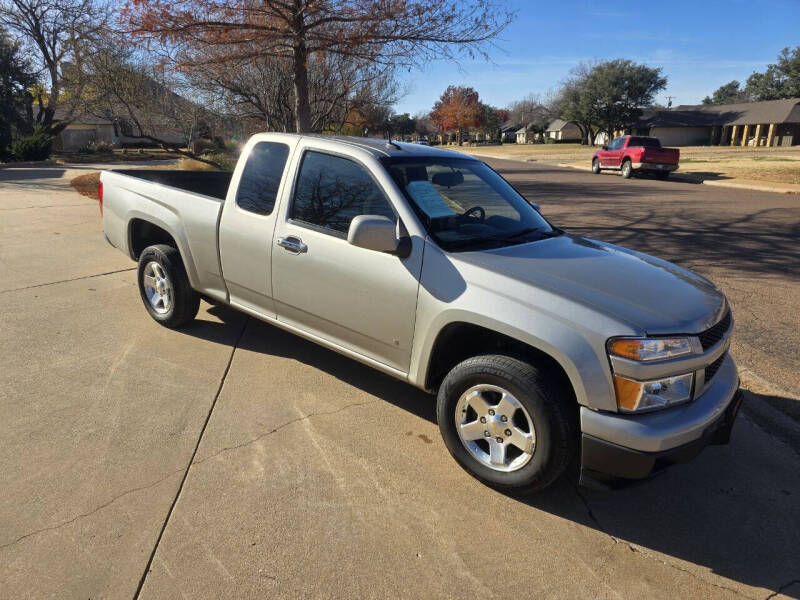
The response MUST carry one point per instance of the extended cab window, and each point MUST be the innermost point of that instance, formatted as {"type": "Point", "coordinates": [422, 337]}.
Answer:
{"type": "Point", "coordinates": [331, 191]}
{"type": "Point", "coordinates": [261, 178]}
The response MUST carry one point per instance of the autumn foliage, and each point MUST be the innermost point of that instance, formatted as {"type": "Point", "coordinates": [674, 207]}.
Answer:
{"type": "Point", "coordinates": [458, 109]}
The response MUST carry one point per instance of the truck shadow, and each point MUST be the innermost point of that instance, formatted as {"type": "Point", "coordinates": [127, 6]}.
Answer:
{"type": "Point", "coordinates": [733, 512]}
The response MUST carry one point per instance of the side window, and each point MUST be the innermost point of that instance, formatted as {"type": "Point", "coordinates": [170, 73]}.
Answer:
{"type": "Point", "coordinates": [261, 177]}
{"type": "Point", "coordinates": [331, 191]}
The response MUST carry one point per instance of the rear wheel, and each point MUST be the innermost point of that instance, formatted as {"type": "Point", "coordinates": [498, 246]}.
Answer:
{"type": "Point", "coordinates": [662, 175]}
{"type": "Point", "coordinates": [507, 423]}
{"type": "Point", "coordinates": [627, 169]}
{"type": "Point", "coordinates": [164, 286]}
{"type": "Point", "coordinates": [595, 166]}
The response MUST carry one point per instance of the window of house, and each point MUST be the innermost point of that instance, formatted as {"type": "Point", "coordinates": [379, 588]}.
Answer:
{"type": "Point", "coordinates": [258, 187]}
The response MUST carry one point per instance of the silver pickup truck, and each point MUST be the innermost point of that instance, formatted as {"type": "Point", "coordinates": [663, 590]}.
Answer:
{"type": "Point", "coordinates": [545, 349]}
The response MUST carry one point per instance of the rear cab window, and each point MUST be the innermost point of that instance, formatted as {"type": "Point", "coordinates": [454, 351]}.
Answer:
{"type": "Point", "coordinates": [261, 178]}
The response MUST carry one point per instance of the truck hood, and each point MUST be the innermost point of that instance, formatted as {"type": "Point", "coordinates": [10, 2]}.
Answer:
{"type": "Point", "coordinates": [642, 291]}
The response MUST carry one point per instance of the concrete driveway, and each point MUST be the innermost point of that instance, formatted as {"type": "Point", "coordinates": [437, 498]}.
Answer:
{"type": "Point", "coordinates": [232, 459]}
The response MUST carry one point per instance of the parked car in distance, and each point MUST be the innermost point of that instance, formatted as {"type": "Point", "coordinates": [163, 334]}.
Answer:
{"type": "Point", "coordinates": [423, 140]}
{"type": "Point", "coordinates": [427, 265]}
{"type": "Point", "coordinates": [636, 153]}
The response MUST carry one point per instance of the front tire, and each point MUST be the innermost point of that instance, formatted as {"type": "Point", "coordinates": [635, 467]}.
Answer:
{"type": "Point", "coordinates": [596, 166]}
{"type": "Point", "coordinates": [508, 423]}
{"type": "Point", "coordinates": [627, 169]}
{"type": "Point", "coordinates": [164, 286]}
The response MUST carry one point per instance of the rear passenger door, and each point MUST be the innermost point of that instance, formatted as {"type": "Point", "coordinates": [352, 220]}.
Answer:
{"type": "Point", "coordinates": [361, 300]}
{"type": "Point", "coordinates": [248, 222]}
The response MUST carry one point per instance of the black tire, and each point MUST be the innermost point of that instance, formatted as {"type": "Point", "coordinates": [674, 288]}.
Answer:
{"type": "Point", "coordinates": [662, 175]}
{"type": "Point", "coordinates": [596, 166]}
{"type": "Point", "coordinates": [627, 169]}
{"type": "Point", "coordinates": [185, 302]}
{"type": "Point", "coordinates": [551, 406]}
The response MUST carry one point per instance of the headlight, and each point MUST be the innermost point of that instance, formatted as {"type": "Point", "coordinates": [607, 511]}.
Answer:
{"type": "Point", "coordinates": [639, 396]}
{"type": "Point", "coordinates": [645, 349]}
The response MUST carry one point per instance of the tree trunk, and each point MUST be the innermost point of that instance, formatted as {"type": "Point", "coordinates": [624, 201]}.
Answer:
{"type": "Point", "coordinates": [302, 107]}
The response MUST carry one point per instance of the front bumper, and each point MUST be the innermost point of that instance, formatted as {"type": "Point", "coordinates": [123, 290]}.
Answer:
{"type": "Point", "coordinates": [617, 447]}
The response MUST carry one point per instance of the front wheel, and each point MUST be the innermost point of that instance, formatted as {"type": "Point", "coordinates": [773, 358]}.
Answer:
{"type": "Point", "coordinates": [596, 166]}
{"type": "Point", "coordinates": [507, 423]}
{"type": "Point", "coordinates": [627, 169]}
{"type": "Point", "coordinates": [164, 286]}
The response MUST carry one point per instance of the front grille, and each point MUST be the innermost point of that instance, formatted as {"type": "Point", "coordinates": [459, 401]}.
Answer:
{"type": "Point", "coordinates": [712, 369]}
{"type": "Point", "coordinates": [713, 335]}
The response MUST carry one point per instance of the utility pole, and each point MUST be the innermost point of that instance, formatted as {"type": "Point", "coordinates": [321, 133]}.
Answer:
{"type": "Point", "coordinates": [669, 101]}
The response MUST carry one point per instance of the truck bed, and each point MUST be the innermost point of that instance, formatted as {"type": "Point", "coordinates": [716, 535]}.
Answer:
{"type": "Point", "coordinates": [208, 183]}
{"type": "Point", "coordinates": [185, 204]}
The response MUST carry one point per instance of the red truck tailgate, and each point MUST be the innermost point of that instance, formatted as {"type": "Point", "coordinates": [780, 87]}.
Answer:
{"type": "Point", "coordinates": [669, 156]}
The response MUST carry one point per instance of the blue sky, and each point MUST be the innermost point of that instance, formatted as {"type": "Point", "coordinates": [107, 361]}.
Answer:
{"type": "Point", "coordinates": [700, 45]}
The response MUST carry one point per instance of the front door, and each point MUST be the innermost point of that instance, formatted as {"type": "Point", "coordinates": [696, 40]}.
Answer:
{"type": "Point", "coordinates": [613, 156]}
{"type": "Point", "coordinates": [361, 300]}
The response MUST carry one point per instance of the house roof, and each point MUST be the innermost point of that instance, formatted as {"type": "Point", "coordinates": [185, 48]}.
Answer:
{"type": "Point", "coordinates": [509, 126]}
{"type": "Point", "coordinates": [81, 119]}
{"type": "Point", "coordinates": [558, 125]}
{"type": "Point", "coordinates": [704, 115]}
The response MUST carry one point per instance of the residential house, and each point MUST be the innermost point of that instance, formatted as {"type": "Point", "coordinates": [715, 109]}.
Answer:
{"type": "Point", "coordinates": [768, 123]}
{"type": "Point", "coordinates": [563, 131]}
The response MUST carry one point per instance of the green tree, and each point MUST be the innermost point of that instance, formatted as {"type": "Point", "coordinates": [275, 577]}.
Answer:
{"type": "Point", "coordinates": [402, 124]}
{"type": "Point", "coordinates": [616, 90]}
{"type": "Point", "coordinates": [15, 79]}
{"type": "Point", "coordinates": [780, 80]}
{"type": "Point", "coordinates": [730, 93]}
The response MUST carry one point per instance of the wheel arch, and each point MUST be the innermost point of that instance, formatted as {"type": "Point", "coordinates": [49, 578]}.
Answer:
{"type": "Point", "coordinates": [146, 230]}
{"type": "Point", "coordinates": [459, 340]}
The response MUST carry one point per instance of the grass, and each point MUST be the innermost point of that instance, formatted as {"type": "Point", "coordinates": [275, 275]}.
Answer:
{"type": "Point", "coordinates": [780, 165]}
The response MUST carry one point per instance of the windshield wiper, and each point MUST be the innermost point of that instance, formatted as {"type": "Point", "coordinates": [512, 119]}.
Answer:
{"type": "Point", "coordinates": [552, 233]}
{"type": "Point", "coordinates": [503, 238]}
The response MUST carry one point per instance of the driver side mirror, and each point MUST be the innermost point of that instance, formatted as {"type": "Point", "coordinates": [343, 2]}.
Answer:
{"type": "Point", "coordinates": [535, 206]}
{"type": "Point", "coordinates": [373, 232]}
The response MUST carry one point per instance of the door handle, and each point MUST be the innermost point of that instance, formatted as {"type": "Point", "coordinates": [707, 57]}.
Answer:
{"type": "Point", "coordinates": [292, 244]}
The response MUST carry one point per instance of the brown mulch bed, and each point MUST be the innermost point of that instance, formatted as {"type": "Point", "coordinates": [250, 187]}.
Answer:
{"type": "Point", "coordinates": [86, 185]}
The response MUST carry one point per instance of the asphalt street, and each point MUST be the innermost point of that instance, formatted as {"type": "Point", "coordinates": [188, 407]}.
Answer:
{"type": "Point", "coordinates": [234, 460]}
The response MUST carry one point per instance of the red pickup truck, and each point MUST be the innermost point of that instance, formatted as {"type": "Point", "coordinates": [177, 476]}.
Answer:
{"type": "Point", "coordinates": [631, 153]}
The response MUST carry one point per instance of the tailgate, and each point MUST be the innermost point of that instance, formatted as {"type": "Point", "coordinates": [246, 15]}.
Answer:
{"type": "Point", "coordinates": [667, 156]}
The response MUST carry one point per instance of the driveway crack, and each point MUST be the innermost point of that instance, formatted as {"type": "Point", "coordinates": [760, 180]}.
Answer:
{"type": "Point", "coordinates": [38, 285]}
{"type": "Point", "coordinates": [191, 460]}
{"type": "Point", "coordinates": [284, 425]}
{"type": "Point", "coordinates": [91, 512]}
{"type": "Point", "coordinates": [635, 549]}
{"type": "Point", "coordinates": [783, 587]}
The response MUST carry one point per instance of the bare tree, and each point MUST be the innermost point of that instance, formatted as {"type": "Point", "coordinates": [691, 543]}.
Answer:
{"type": "Point", "coordinates": [397, 32]}
{"type": "Point", "coordinates": [262, 88]}
{"type": "Point", "coordinates": [146, 102]}
{"type": "Point", "coordinates": [59, 35]}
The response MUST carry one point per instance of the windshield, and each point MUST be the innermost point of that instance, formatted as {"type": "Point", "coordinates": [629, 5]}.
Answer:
{"type": "Point", "coordinates": [463, 203]}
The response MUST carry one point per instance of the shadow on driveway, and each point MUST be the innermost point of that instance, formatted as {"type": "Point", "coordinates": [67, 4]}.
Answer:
{"type": "Point", "coordinates": [734, 511]}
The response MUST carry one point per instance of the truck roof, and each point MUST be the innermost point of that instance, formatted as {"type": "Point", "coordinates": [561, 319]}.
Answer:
{"type": "Point", "coordinates": [381, 148]}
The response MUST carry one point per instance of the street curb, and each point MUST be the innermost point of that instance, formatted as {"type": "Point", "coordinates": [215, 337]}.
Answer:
{"type": "Point", "coordinates": [32, 163]}
{"type": "Point", "coordinates": [771, 420]}
{"type": "Point", "coordinates": [683, 178]}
